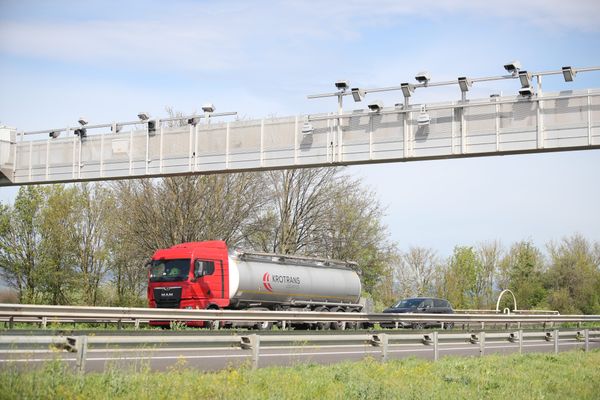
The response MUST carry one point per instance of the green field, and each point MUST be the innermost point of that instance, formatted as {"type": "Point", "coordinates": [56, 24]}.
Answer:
{"type": "Point", "coordinates": [573, 375]}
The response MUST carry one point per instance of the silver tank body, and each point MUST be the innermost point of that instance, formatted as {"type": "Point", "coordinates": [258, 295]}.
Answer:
{"type": "Point", "coordinates": [273, 282]}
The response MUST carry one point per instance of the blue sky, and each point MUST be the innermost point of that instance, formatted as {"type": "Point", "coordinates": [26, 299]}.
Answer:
{"type": "Point", "coordinates": [108, 60]}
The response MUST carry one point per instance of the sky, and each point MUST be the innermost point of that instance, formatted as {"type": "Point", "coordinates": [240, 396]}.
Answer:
{"type": "Point", "coordinates": [108, 60]}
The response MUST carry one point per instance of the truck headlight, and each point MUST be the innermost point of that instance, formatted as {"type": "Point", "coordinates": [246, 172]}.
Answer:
{"type": "Point", "coordinates": [188, 307]}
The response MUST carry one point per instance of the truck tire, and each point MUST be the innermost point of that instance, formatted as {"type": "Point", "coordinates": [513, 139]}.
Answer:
{"type": "Point", "coordinates": [338, 325]}
{"type": "Point", "coordinates": [263, 326]}
{"type": "Point", "coordinates": [322, 326]}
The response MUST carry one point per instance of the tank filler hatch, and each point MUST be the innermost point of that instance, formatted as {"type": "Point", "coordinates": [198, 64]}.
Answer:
{"type": "Point", "coordinates": [293, 259]}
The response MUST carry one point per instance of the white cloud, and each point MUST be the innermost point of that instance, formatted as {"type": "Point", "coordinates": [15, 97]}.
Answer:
{"type": "Point", "coordinates": [196, 37]}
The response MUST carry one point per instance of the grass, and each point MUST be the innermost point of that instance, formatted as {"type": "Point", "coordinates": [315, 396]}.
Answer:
{"type": "Point", "coordinates": [574, 375]}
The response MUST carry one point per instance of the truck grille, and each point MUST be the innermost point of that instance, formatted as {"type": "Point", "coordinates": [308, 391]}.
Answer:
{"type": "Point", "coordinates": [167, 297]}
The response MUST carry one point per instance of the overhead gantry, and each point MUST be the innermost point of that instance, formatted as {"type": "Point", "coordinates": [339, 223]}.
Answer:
{"type": "Point", "coordinates": [528, 122]}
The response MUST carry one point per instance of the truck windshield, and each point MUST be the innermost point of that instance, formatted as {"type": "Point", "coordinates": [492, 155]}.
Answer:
{"type": "Point", "coordinates": [409, 303]}
{"type": "Point", "coordinates": [169, 270]}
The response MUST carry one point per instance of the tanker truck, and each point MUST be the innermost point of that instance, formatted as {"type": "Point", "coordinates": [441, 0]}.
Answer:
{"type": "Point", "coordinates": [208, 275]}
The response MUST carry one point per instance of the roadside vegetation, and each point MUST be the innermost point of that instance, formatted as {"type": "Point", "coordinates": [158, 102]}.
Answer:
{"type": "Point", "coordinates": [573, 375]}
{"type": "Point", "coordinates": [87, 244]}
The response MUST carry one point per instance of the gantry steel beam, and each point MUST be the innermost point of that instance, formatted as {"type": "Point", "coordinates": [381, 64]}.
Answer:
{"type": "Point", "coordinates": [569, 120]}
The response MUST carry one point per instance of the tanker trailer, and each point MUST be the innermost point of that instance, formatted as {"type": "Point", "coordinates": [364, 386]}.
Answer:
{"type": "Point", "coordinates": [206, 275]}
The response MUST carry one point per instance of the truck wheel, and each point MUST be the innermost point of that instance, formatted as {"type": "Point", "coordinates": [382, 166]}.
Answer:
{"type": "Point", "coordinates": [448, 325]}
{"type": "Point", "coordinates": [322, 326]}
{"type": "Point", "coordinates": [352, 324]}
{"type": "Point", "coordinates": [263, 326]}
{"type": "Point", "coordinates": [213, 324]}
{"type": "Point", "coordinates": [338, 325]}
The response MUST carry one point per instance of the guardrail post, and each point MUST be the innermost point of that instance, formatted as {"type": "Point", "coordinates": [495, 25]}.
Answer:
{"type": "Point", "coordinates": [137, 324]}
{"type": "Point", "coordinates": [11, 322]}
{"type": "Point", "coordinates": [255, 343]}
{"type": "Point", "coordinates": [520, 341]}
{"type": "Point", "coordinates": [586, 334]}
{"type": "Point", "coordinates": [482, 343]}
{"type": "Point", "coordinates": [436, 352]}
{"type": "Point", "coordinates": [81, 349]}
{"type": "Point", "coordinates": [381, 340]}
{"type": "Point", "coordinates": [556, 341]}
{"type": "Point", "coordinates": [44, 322]}
{"type": "Point", "coordinates": [384, 347]}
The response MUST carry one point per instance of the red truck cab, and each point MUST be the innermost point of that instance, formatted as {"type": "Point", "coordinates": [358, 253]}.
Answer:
{"type": "Point", "coordinates": [189, 275]}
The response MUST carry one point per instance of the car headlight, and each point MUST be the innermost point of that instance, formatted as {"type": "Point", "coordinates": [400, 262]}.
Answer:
{"type": "Point", "coordinates": [188, 308]}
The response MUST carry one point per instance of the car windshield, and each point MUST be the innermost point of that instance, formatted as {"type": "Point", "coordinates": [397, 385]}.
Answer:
{"type": "Point", "coordinates": [169, 270]}
{"type": "Point", "coordinates": [408, 303]}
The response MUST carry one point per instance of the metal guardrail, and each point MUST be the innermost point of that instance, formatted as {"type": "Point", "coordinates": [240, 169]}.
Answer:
{"type": "Point", "coordinates": [121, 313]}
{"type": "Point", "coordinates": [518, 312]}
{"type": "Point", "coordinates": [16, 312]}
{"type": "Point", "coordinates": [253, 343]}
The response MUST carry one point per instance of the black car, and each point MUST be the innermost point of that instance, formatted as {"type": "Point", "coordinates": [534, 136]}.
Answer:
{"type": "Point", "coordinates": [419, 305]}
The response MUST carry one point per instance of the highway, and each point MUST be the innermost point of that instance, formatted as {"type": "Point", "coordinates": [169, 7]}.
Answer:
{"type": "Point", "coordinates": [216, 358]}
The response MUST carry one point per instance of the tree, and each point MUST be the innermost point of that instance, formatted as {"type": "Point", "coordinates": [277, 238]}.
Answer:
{"type": "Point", "coordinates": [320, 212]}
{"type": "Point", "coordinates": [20, 242]}
{"type": "Point", "coordinates": [573, 276]}
{"type": "Point", "coordinates": [416, 272]}
{"type": "Point", "coordinates": [488, 259]}
{"type": "Point", "coordinates": [159, 214]}
{"type": "Point", "coordinates": [460, 278]}
{"type": "Point", "coordinates": [521, 272]}
{"type": "Point", "coordinates": [296, 204]}
{"type": "Point", "coordinates": [58, 279]}
{"type": "Point", "coordinates": [352, 229]}
{"type": "Point", "coordinates": [153, 214]}
{"type": "Point", "coordinates": [90, 233]}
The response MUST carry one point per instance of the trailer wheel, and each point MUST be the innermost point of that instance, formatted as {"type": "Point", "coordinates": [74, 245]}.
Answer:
{"type": "Point", "coordinates": [338, 325]}
{"type": "Point", "coordinates": [263, 326]}
{"type": "Point", "coordinates": [352, 324]}
{"type": "Point", "coordinates": [322, 326]}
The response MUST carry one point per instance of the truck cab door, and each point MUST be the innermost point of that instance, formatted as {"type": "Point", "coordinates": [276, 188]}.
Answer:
{"type": "Point", "coordinates": [209, 275]}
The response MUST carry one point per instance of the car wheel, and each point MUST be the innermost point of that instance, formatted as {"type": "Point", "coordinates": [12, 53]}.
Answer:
{"type": "Point", "coordinates": [448, 325]}
{"type": "Point", "coordinates": [418, 325]}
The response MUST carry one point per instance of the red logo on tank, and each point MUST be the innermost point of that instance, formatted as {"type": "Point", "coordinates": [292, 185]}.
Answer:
{"type": "Point", "coordinates": [266, 281]}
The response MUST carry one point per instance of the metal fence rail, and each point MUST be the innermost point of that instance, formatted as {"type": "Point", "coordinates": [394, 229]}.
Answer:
{"type": "Point", "coordinates": [25, 312]}
{"type": "Point", "coordinates": [254, 343]}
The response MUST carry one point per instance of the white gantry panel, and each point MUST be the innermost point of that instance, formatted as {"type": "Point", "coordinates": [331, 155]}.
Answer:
{"type": "Point", "coordinates": [500, 125]}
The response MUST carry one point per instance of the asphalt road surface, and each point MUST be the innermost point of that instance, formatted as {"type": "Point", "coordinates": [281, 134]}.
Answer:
{"type": "Point", "coordinates": [207, 359]}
